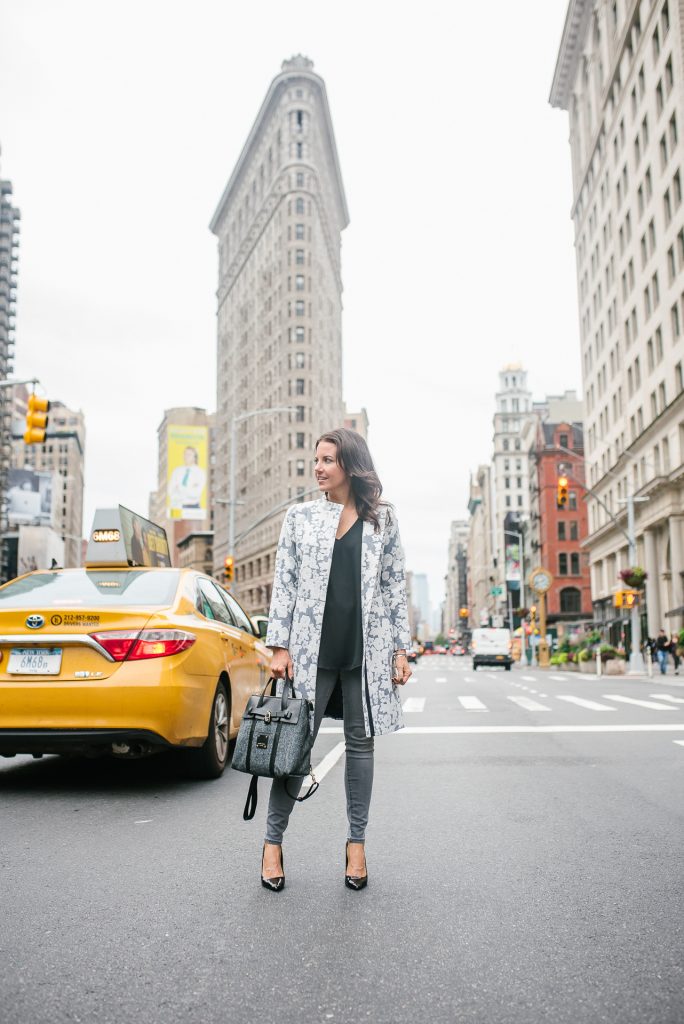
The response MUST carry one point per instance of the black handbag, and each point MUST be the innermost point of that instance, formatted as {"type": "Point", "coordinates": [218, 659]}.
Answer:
{"type": "Point", "coordinates": [274, 741]}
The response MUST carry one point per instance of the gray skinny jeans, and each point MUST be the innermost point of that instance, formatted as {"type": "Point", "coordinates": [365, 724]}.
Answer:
{"type": "Point", "coordinates": [358, 770]}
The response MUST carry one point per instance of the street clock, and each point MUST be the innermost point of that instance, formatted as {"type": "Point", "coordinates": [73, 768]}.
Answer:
{"type": "Point", "coordinates": [540, 580]}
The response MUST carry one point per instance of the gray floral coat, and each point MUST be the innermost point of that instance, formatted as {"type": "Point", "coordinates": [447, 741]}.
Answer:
{"type": "Point", "coordinates": [298, 601]}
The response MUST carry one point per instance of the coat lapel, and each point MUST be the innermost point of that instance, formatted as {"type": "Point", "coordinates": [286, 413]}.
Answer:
{"type": "Point", "coordinates": [370, 563]}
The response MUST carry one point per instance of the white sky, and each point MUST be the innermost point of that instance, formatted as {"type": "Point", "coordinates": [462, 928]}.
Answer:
{"type": "Point", "coordinates": [120, 124]}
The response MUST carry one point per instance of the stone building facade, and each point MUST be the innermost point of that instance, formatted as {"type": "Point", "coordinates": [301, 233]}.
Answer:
{"type": "Point", "coordinates": [620, 77]}
{"type": "Point", "coordinates": [9, 254]}
{"type": "Point", "coordinates": [278, 225]}
{"type": "Point", "coordinates": [482, 605]}
{"type": "Point", "coordinates": [456, 579]}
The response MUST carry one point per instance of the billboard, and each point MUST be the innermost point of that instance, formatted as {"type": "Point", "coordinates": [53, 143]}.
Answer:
{"type": "Point", "coordinates": [145, 543]}
{"type": "Point", "coordinates": [29, 497]}
{"type": "Point", "coordinates": [513, 574]}
{"type": "Point", "coordinates": [187, 453]}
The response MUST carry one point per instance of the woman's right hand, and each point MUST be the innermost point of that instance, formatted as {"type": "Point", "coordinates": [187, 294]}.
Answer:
{"type": "Point", "coordinates": [281, 663]}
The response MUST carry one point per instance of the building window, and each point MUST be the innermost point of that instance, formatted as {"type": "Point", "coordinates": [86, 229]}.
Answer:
{"type": "Point", "coordinates": [299, 307]}
{"type": "Point", "coordinates": [563, 439]}
{"type": "Point", "coordinates": [572, 500]}
{"type": "Point", "coordinates": [299, 150]}
{"type": "Point", "coordinates": [300, 440]}
{"type": "Point", "coordinates": [562, 564]}
{"type": "Point", "coordinates": [299, 335]}
{"type": "Point", "coordinates": [574, 531]}
{"type": "Point", "coordinates": [299, 205]}
{"type": "Point", "coordinates": [299, 232]}
{"type": "Point", "coordinates": [561, 530]}
{"type": "Point", "coordinates": [299, 360]}
{"type": "Point", "coordinates": [299, 386]}
{"type": "Point", "coordinates": [574, 564]}
{"type": "Point", "coordinates": [300, 416]}
{"type": "Point", "coordinates": [300, 467]}
{"type": "Point", "coordinates": [570, 600]}
{"type": "Point", "coordinates": [299, 179]}
{"type": "Point", "coordinates": [299, 282]}
{"type": "Point", "coordinates": [299, 257]}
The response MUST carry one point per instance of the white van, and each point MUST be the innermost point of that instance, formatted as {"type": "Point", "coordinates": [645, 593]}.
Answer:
{"type": "Point", "coordinates": [491, 647]}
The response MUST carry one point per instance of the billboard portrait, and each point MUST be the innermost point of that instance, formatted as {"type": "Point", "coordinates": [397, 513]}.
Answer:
{"type": "Point", "coordinates": [29, 497]}
{"type": "Point", "coordinates": [187, 450]}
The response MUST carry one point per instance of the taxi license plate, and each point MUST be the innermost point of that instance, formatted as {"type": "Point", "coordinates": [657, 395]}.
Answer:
{"type": "Point", "coordinates": [499, 657]}
{"type": "Point", "coordinates": [32, 661]}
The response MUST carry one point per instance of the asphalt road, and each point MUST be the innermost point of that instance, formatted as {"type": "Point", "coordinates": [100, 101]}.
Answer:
{"type": "Point", "coordinates": [525, 866]}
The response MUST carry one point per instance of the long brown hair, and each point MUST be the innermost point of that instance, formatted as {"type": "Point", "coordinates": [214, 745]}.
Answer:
{"type": "Point", "coordinates": [355, 459]}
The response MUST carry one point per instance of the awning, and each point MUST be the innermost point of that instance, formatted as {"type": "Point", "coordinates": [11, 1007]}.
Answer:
{"type": "Point", "coordinates": [674, 612]}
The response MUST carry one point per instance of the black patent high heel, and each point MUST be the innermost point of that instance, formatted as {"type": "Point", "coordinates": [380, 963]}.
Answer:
{"type": "Point", "coordinates": [355, 882]}
{"type": "Point", "coordinates": [277, 883]}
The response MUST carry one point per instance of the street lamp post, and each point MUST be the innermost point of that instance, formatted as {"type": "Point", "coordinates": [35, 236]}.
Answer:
{"type": "Point", "coordinates": [233, 458]}
{"type": "Point", "coordinates": [521, 545]}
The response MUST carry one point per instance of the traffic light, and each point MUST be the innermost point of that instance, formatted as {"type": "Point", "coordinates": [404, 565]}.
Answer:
{"type": "Point", "coordinates": [625, 598]}
{"type": "Point", "coordinates": [463, 613]}
{"type": "Point", "coordinates": [229, 567]}
{"type": "Point", "coordinates": [562, 492]}
{"type": "Point", "coordinates": [36, 420]}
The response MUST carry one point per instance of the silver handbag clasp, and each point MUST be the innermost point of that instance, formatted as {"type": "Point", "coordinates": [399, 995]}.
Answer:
{"type": "Point", "coordinates": [267, 717]}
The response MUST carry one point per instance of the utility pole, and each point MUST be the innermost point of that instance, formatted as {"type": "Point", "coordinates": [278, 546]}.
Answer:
{"type": "Point", "coordinates": [233, 459]}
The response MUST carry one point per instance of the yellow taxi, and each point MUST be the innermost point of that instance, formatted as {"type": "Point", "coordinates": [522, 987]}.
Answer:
{"type": "Point", "coordinates": [125, 659]}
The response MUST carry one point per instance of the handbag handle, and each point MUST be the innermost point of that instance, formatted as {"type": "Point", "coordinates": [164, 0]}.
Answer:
{"type": "Point", "coordinates": [272, 682]}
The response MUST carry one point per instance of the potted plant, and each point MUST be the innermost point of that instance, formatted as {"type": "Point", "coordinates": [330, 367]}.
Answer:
{"type": "Point", "coordinates": [634, 577]}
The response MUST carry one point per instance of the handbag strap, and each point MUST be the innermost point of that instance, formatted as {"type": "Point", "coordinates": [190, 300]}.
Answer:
{"type": "Point", "coordinates": [253, 796]}
{"type": "Point", "coordinates": [273, 682]}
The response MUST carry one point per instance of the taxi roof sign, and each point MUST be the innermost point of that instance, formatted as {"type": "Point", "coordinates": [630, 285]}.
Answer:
{"type": "Point", "coordinates": [120, 537]}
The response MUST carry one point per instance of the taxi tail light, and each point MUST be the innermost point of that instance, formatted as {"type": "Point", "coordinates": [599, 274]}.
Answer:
{"type": "Point", "coordinates": [136, 645]}
{"type": "Point", "coordinates": [116, 642]}
{"type": "Point", "coordinates": [160, 643]}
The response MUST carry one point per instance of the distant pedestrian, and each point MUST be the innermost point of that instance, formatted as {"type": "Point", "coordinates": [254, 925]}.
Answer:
{"type": "Point", "coordinates": [338, 625]}
{"type": "Point", "coordinates": [662, 647]}
{"type": "Point", "coordinates": [674, 651]}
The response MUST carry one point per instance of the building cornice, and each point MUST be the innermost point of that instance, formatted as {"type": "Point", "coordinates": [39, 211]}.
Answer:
{"type": "Point", "coordinates": [277, 87]}
{"type": "Point", "coordinates": [574, 31]}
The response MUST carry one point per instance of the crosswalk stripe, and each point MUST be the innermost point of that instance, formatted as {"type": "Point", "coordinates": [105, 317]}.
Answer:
{"type": "Point", "coordinates": [440, 679]}
{"type": "Point", "coordinates": [654, 705]}
{"type": "Point", "coordinates": [593, 705]}
{"type": "Point", "coordinates": [529, 679]}
{"type": "Point", "coordinates": [414, 704]}
{"type": "Point", "coordinates": [680, 742]}
{"type": "Point", "coordinates": [472, 704]}
{"type": "Point", "coordinates": [528, 704]}
{"type": "Point", "coordinates": [666, 696]}
{"type": "Point", "coordinates": [559, 679]}
{"type": "Point", "coordinates": [451, 730]}
{"type": "Point", "coordinates": [329, 761]}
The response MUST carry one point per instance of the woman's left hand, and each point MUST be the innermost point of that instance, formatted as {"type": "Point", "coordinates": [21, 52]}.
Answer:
{"type": "Point", "coordinates": [402, 670]}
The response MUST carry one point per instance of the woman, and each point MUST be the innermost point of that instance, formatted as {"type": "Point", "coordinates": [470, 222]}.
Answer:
{"type": "Point", "coordinates": [338, 625]}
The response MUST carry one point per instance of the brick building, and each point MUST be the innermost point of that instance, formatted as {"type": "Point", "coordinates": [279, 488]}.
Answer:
{"type": "Point", "coordinates": [561, 531]}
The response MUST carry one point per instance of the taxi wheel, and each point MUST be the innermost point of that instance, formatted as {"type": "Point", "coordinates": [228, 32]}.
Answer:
{"type": "Point", "coordinates": [209, 760]}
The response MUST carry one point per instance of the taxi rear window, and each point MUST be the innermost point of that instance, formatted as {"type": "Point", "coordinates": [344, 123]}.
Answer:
{"type": "Point", "coordinates": [91, 588]}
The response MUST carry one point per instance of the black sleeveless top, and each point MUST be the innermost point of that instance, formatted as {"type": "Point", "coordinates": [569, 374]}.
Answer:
{"type": "Point", "coordinates": [342, 632]}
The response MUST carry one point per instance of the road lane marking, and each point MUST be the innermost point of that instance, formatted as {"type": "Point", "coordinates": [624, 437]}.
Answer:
{"type": "Point", "coordinates": [330, 759]}
{"type": "Point", "coordinates": [559, 679]}
{"type": "Point", "coordinates": [528, 704]}
{"type": "Point", "coordinates": [680, 742]}
{"type": "Point", "coordinates": [654, 705]}
{"type": "Point", "coordinates": [593, 705]}
{"type": "Point", "coordinates": [448, 730]}
{"type": "Point", "coordinates": [529, 679]}
{"type": "Point", "coordinates": [666, 696]}
{"type": "Point", "coordinates": [440, 679]}
{"type": "Point", "coordinates": [414, 704]}
{"type": "Point", "coordinates": [472, 704]}
{"type": "Point", "coordinates": [143, 821]}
